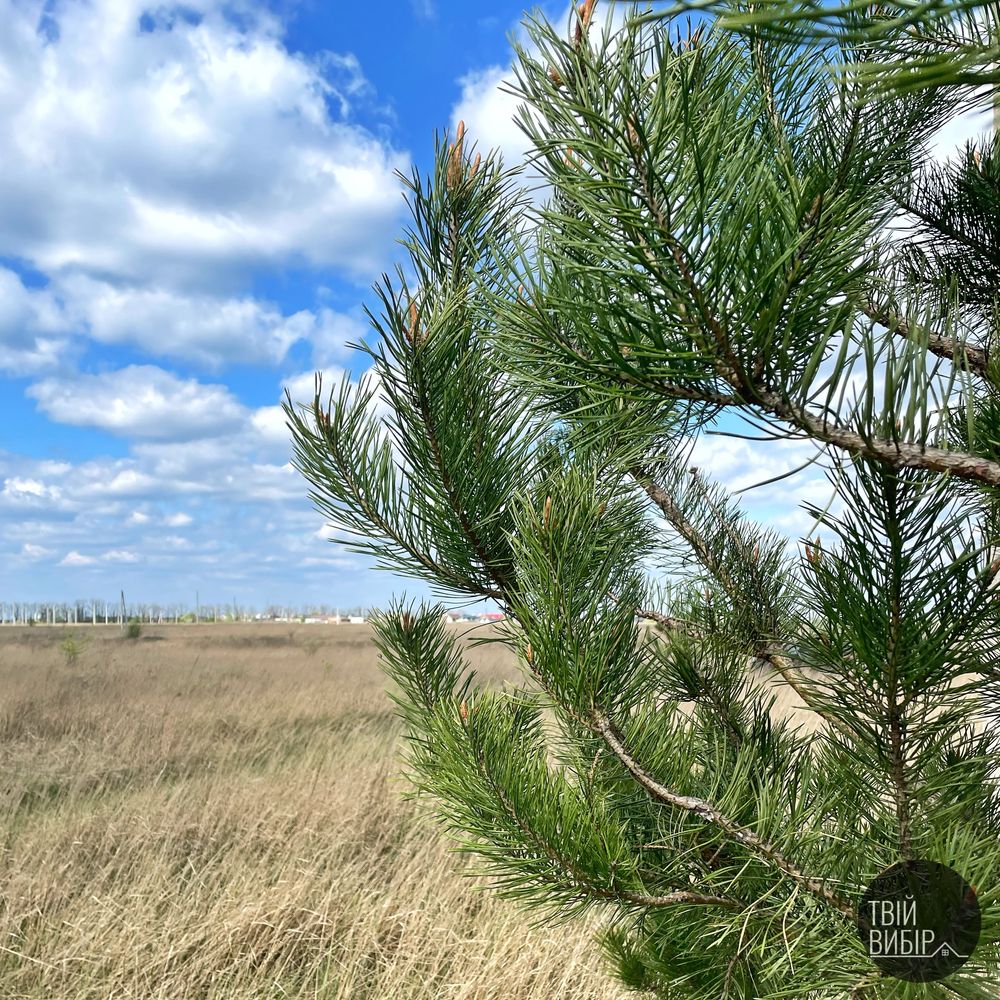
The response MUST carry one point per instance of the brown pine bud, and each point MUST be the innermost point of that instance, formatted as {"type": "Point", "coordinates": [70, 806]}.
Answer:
{"type": "Point", "coordinates": [708, 595]}
{"type": "Point", "coordinates": [411, 329]}
{"type": "Point", "coordinates": [406, 621]}
{"type": "Point", "coordinates": [585, 11]}
{"type": "Point", "coordinates": [547, 513]}
{"type": "Point", "coordinates": [977, 159]}
{"type": "Point", "coordinates": [529, 654]}
{"type": "Point", "coordinates": [456, 170]}
{"type": "Point", "coordinates": [600, 510]}
{"type": "Point", "coordinates": [463, 711]}
{"type": "Point", "coordinates": [633, 135]}
{"type": "Point", "coordinates": [813, 214]}
{"type": "Point", "coordinates": [475, 165]}
{"type": "Point", "coordinates": [555, 77]}
{"type": "Point", "coordinates": [814, 553]}
{"type": "Point", "coordinates": [756, 552]}
{"type": "Point", "coordinates": [994, 569]}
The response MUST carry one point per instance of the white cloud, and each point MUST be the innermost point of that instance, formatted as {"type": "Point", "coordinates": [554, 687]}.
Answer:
{"type": "Point", "coordinates": [76, 559]}
{"type": "Point", "coordinates": [204, 328]}
{"type": "Point", "coordinates": [34, 552]}
{"type": "Point", "coordinates": [28, 490]}
{"type": "Point", "coordinates": [269, 429]}
{"type": "Point", "coordinates": [137, 517]}
{"type": "Point", "coordinates": [178, 520]}
{"type": "Point", "coordinates": [33, 334]}
{"type": "Point", "coordinates": [120, 556]}
{"type": "Point", "coordinates": [488, 112]}
{"type": "Point", "coordinates": [103, 480]}
{"type": "Point", "coordinates": [140, 401]}
{"type": "Point", "coordinates": [186, 153]}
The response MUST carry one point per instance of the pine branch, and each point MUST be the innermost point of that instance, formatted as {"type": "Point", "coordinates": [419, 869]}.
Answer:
{"type": "Point", "coordinates": [706, 811]}
{"type": "Point", "coordinates": [771, 652]}
{"type": "Point", "coordinates": [451, 491]}
{"type": "Point", "coordinates": [950, 348]}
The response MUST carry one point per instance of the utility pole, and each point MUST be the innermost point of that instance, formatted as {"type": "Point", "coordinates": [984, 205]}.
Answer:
{"type": "Point", "coordinates": [121, 613]}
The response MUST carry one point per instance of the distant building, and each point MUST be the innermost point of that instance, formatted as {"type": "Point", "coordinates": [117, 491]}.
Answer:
{"type": "Point", "coordinates": [483, 618]}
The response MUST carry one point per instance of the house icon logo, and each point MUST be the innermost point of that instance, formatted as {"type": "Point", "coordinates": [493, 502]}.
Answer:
{"type": "Point", "coordinates": [919, 921]}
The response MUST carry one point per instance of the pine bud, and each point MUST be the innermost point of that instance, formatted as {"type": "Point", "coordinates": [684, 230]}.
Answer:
{"type": "Point", "coordinates": [977, 159]}
{"type": "Point", "coordinates": [455, 166]}
{"type": "Point", "coordinates": [633, 135]}
{"type": "Point", "coordinates": [708, 595]}
{"type": "Point", "coordinates": [813, 214]}
{"type": "Point", "coordinates": [406, 621]}
{"type": "Point", "coordinates": [994, 569]}
{"type": "Point", "coordinates": [756, 552]}
{"type": "Point", "coordinates": [547, 513]}
{"type": "Point", "coordinates": [600, 510]}
{"type": "Point", "coordinates": [814, 553]}
{"type": "Point", "coordinates": [529, 654]}
{"type": "Point", "coordinates": [475, 165]}
{"type": "Point", "coordinates": [586, 11]}
{"type": "Point", "coordinates": [463, 711]}
{"type": "Point", "coordinates": [555, 77]}
{"type": "Point", "coordinates": [411, 329]}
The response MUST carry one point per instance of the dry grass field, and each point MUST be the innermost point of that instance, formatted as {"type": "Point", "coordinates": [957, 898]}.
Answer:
{"type": "Point", "coordinates": [214, 812]}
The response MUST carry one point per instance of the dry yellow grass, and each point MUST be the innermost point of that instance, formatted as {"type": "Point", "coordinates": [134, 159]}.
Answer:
{"type": "Point", "coordinates": [214, 812]}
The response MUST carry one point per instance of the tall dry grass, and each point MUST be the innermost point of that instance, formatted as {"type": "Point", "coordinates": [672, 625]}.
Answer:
{"type": "Point", "coordinates": [214, 812]}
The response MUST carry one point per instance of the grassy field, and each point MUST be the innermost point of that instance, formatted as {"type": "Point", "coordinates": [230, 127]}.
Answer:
{"type": "Point", "coordinates": [214, 812]}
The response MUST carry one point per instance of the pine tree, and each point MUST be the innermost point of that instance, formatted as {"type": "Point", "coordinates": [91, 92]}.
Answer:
{"type": "Point", "coordinates": [715, 242]}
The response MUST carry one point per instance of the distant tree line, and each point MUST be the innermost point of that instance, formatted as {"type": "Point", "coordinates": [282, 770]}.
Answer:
{"type": "Point", "coordinates": [97, 611]}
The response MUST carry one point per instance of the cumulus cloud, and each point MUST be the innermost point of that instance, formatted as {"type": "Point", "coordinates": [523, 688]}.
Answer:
{"type": "Point", "coordinates": [33, 327]}
{"type": "Point", "coordinates": [203, 328]}
{"type": "Point", "coordinates": [140, 401]}
{"type": "Point", "coordinates": [35, 552]}
{"type": "Point", "coordinates": [181, 145]}
{"type": "Point", "coordinates": [76, 559]}
{"type": "Point", "coordinates": [120, 556]}
{"type": "Point", "coordinates": [178, 520]}
{"type": "Point", "coordinates": [28, 491]}
{"type": "Point", "coordinates": [488, 111]}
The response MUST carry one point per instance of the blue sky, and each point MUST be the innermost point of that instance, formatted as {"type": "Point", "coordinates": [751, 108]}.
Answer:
{"type": "Point", "coordinates": [196, 200]}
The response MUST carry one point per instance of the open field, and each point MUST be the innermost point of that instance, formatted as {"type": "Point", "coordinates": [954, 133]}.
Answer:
{"type": "Point", "coordinates": [214, 812]}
